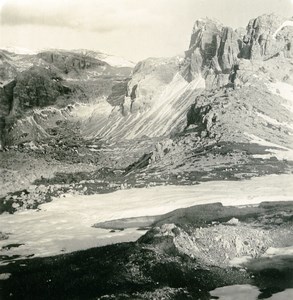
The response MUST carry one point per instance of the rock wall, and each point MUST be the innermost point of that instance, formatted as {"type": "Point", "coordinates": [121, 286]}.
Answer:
{"type": "Point", "coordinates": [215, 50]}
{"type": "Point", "coordinates": [212, 52]}
{"type": "Point", "coordinates": [68, 62]}
{"type": "Point", "coordinates": [118, 94]}
{"type": "Point", "coordinates": [34, 88]}
{"type": "Point", "coordinates": [6, 103]}
{"type": "Point", "coordinates": [149, 78]}
{"type": "Point", "coordinates": [267, 36]}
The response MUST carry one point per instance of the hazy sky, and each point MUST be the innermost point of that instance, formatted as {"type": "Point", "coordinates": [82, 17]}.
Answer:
{"type": "Point", "coordinates": [134, 29]}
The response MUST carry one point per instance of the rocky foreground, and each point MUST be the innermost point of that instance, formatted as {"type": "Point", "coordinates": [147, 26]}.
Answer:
{"type": "Point", "coordinates": [184, 255]}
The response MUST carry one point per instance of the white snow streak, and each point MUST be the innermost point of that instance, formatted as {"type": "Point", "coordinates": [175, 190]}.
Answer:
{"type": "Point", "coordinates": [285, 24]}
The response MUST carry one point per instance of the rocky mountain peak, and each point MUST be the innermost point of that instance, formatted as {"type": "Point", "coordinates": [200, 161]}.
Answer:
{"type": "Point", "coordinates": [214, 49]}
{"type": "Point", "coordinates": [267, 36]}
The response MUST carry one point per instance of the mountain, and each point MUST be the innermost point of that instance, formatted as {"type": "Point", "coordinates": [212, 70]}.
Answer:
{"type": "Point", "coordinates": [154, 101]}
{"type": "Point", "coordinates": [109, 154]}
{"type": "Point", "coordinates": [230, 94]}
{"type": "Point", "coordinates": [217, 57]}
{"type": "Point", "coordinates": [112, 60]}
{"type": "Point", "coordinates": [48, 78]}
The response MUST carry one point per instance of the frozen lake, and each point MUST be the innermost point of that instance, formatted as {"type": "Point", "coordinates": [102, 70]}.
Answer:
{"type": "Point", "coordinates": [65, 224]}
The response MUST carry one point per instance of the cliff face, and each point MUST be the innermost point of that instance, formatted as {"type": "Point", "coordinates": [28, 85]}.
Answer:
{"type": "Point", "coordinates": [51, 78]}
{"type": "Point", "coordinates": [6, 102]}
{"type": "Point", "coordinates": [149, 79]}
{"type": "Point", "coordinates": [155, 100]}
{"type": "Point", "coordinates": [118, 93]}
{"type": "Point", "coordinates": [215, 50]}
{"type": "Point", "coordinates": [7, 70]}
{"type": "Point", "coordinates": [72, 63]}
{"type": "Point", "coordinates": [156, 103]}
{"type": "Point", "coordinates": [35, 88]}
{"type": "Point", "coordinates": [267, 36]}
{"type": "Point", "coordinates": [69, 62]}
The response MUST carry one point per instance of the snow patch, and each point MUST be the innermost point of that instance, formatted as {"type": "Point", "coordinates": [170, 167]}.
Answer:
{"type": "Point", "coordinates": [271, 252]}
{"type": "Point", "coordinates": [246, 291]}
{"type": "Point", "coordinates": [65, 224]}
{"type": "Point", "coordinates": [86, 110]}
{"type": "Point", "coordinates": [280, 153]}
{"type": "Point", "coordinates": [285, 24]}
{"type": "Point", "coordinates": [275, 122]}
{"type": "Point", "coordinates": [115, 61]}
{"type": "Point", "coordinates": [20, 50]}
{"type": "Point", "coordinates": [283, 90]}
{"type": "Point", "coordinates": [5, 276]}
{"type": "Point", "coordinates": [239, 292]}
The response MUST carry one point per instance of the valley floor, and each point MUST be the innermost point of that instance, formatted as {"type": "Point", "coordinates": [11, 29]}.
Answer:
{"type": "Point", "coordinates": [104, 220]}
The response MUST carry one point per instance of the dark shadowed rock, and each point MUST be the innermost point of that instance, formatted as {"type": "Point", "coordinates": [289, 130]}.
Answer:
{"type": "Point", "coordinates": [36, 87]}
{"type": "Point", "coordinates": [119, 91]}
{"type": "Point", "coordinates": [68, 62]}
{"type": "Point", "coordinates": [6, 98]}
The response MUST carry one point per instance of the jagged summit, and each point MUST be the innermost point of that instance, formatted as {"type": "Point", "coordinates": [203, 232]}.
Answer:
{"type": "Point", "coordinates": [214, 49]}
{"type": "Point", "coordinates": [155, 99]}
{"type": "Point", "coordinates": [267, 36]}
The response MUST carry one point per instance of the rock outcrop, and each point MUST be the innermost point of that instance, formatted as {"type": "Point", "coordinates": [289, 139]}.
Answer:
{"type": "Point", "coordinates": [35, 88]}
{"type": "Point", "coordinates": [6, 104]}
{"type": "Point", "coordinates": [118, 94]}
{"type": "Point", "coordinates": [266, 37]}
{"type": "Point", "coordinates": [68, 62]}
{"type": "Point", "coordinates": [213, 51]}
{"type": "Point", "coordinates": [7, 70]}
{"type": "Point", "coordinates": [149, 78]}
{"type": "Point", "coordinates": [72, 63]}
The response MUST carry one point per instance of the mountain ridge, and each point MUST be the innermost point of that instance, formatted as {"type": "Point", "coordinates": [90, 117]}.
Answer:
{"type": "Point", "coordinates": [159, 121]}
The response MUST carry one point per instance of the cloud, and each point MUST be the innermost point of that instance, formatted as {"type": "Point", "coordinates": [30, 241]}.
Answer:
{"type": "Point", "coordinates": [132, 28]}
{"type": "Point", "coordinates": [53, 13]}
{"type": "Point", "coordinates": [94, 15]}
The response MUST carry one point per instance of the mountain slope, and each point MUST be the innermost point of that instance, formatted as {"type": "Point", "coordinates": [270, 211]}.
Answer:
{"type": "Point", "coordinates": [155, 101]}
{"type": "Point", "coordinates": [224, 111]}
{"type": "Point", "coordinates": [57, 78]}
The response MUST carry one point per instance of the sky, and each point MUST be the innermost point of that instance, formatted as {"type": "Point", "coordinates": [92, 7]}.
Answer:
{"type": "Point", "coordinates": [133, 29]}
